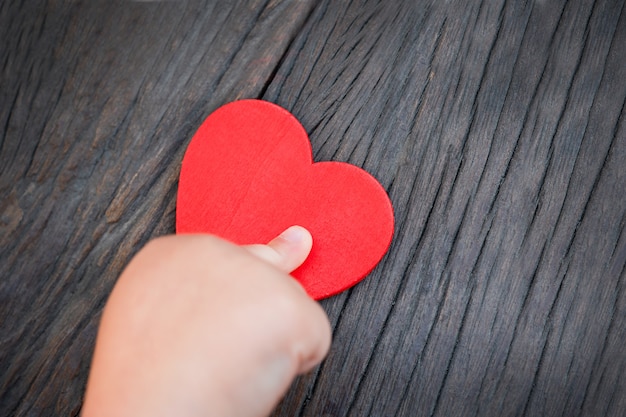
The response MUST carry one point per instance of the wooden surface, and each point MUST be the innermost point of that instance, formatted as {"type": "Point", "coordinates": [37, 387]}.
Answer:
{"type": "Point", "coordinates": [497, 127]}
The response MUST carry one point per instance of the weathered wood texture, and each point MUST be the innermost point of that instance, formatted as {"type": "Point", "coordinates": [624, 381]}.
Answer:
{"type": "Point", "coordinates": [498, 128]}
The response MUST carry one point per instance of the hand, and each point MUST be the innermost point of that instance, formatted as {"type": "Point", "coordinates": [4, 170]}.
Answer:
{"type": "Point", "coordinates": [197, 326]}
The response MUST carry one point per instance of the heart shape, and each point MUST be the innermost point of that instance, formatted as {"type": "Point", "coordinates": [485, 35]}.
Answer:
{"type": "Point", "coordinates": [248, 174]}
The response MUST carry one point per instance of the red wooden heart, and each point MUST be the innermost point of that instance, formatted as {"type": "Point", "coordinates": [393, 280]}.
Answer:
{"type": "Point", "coordinates": [248, 174]}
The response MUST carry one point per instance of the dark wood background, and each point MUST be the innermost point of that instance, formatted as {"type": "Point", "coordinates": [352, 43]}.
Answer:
{"type": "Point", "coordinates": [497, 126]}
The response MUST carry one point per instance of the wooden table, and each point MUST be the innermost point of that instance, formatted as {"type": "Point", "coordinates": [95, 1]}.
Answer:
{"type": "Point", "coordinates": [497, 127]}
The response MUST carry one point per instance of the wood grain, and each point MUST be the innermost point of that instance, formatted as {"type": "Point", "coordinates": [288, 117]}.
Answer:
{"type": "Point", "coordinates": [497, 127]}
{"type": "Point", "coordinates": [102, 99]}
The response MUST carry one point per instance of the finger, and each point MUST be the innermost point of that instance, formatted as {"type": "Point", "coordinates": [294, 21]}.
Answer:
{"type": "Point", "coordinates": [287, 251]}
{"type": "Point", "coordinates": [316, 344]}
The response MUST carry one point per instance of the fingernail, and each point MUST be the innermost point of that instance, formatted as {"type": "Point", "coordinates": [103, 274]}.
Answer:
{"type": "Point", "coordinates": [295, 234]}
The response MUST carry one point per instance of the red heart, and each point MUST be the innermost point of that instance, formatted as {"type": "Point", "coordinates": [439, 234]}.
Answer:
{"type": "Point", "coordinates": [248, 174]}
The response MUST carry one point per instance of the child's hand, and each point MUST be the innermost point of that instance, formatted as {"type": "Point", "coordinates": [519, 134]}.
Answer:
{"type": "Point", "coordinates": [197, 326]}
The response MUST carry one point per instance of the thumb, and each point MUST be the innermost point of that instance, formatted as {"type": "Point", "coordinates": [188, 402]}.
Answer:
{"type": "Point", "coordinates": [287, 251]}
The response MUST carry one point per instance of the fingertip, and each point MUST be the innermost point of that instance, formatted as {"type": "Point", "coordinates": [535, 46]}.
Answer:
{"type": "Point", "coordinates": [297, 237]}
{"type": "Point", "coordinates": [294, 246]}
{"type": "Point", "coordinates": [287, 251]}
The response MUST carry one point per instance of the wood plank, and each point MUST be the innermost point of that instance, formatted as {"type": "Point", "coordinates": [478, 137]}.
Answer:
{"type": "Point", "coordinates": [99, 100]}
{"type": "Point", "coordinates": [491, 124]}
